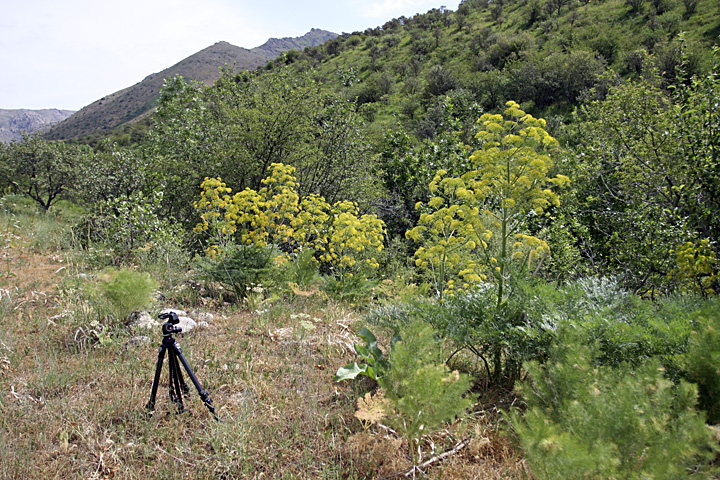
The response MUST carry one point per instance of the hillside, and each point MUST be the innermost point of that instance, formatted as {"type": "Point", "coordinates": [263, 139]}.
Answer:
{"type": "Point", "coordinates": [14, 122]}
{"type": "Point", "coordinates": [549, 56]}
{"type": "Point", "coordinates": [136, 102]}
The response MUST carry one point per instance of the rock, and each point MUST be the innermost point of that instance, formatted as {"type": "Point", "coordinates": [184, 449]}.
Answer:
{"type": "Point", "coordinates": [142, 321]}
{"type": "Point", "coordinates": [203, 317]}
{"type": "Point", "coordinates": [187, 324]}
{"type": "Point", "coordinates": [138, 341]}
{"type": "Point", "coordinates": [179, 313]}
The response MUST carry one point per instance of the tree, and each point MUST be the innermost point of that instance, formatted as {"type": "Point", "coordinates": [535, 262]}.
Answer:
{"type": "Point", "coordinates": [113, 172]}
{"type": "Point", "coordinates": [244, 123]}
{"type": "Point", "coordinates": [41, 169]}
{"type": "Point", "coordinates": [650, 179]}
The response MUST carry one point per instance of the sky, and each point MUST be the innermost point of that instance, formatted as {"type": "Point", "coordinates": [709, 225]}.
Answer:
{"type": "Point", "coordinates": [67, 54]}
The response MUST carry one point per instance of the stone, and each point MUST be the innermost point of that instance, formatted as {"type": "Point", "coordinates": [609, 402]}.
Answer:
{"type": "Point", "coordinates": [142, 321]}
{"type": "Point", "coordinates": [138, 341]}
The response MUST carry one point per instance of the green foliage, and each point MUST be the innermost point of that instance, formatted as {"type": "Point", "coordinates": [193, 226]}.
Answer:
{"type": "Point", "coordinates": [112, 172]}
{"type": "Point", "coordinates": [423, 392]}
{"type": "Point", "coordinates": [700, 363]}
{"type": "Point", "coordinates": [240, 268]}
{"type": "Point", "coordinates": [587, 421]}
{"type": "Point", "coordinates": [301, 269]}
{"type": "Point", "coordinates": [126, 291]}
{"type": "Point", "coordinates": [244, 123]}
{"type": "Point", "coordinates": [648, 183]}
{"type": "Point", "coordinates": [376, 364]}
{"type": "Point", "coordinates": [40, 169]}
{"type": "Point", "coordinates": [626, 328]}
{"type": "Point", "coordinates": [352, 288]}
{"type": "Point", "coordinates": [502, 337]}
{"type": "Point", "coordinates": [128, 227]}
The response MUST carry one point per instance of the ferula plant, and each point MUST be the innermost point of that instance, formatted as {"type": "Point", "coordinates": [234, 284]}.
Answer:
{"type": "Point", "coordinates": [488, 205]}
{"type": "Point", "coordinates": [276, 215]}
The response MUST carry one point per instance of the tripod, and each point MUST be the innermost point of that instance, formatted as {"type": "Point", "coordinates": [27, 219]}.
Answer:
{"type": "Point", "coordinates": [176, 382]}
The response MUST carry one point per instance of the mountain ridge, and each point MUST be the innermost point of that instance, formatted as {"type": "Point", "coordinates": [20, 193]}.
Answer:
{"type": "Point", "coordinates": [13, 122]}
{"type": "Point", "coordinates": [136, 102]}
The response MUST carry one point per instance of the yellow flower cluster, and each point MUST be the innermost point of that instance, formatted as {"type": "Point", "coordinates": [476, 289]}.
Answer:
{"type": "Point", "coordinates": [695, 266]}
{"type": "Point", "coordinates": [214, 202]}
{"type": "Point", "coordinates": [449, 231]}
{"type": "Point", "coordinates": [276, 215]}
{"type": "Point", "coordinates": [509, 177]}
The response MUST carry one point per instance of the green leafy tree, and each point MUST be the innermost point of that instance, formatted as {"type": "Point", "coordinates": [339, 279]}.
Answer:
{"type": "Point", "coordinates": [244, 123]}
{"type": "Point", "coordinates": [649, 180]}
{"type": "Point", "coordinates": [112, 172]}
{"type": "Point", "coordinates": [41, 169]}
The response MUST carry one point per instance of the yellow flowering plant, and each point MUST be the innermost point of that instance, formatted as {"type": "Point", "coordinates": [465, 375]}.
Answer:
{"type": "Point", "coordinates": [509, 179]}
{"type": "Point", "coordinates": [275, 215]}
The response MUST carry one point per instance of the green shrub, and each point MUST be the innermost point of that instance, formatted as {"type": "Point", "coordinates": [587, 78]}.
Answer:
{"type": "Point", "coordinates": [625, 327]}
{"type": "Point", "coordinates": [239, 268]}
{"type": "Point", "coordinates": [502, 336]}
{"type": "Point", "coordinates": [350, 288]}
{"type": "Point", "coordinates": [701, 364]}
{"type": "Point", "coordinates": [301, 271]}
{"type": "Point", "coordinates": [126, 291]}
{"type": "Point", "coordinates": [124, 226]}
{"type": "Point", "coordinates": [586, 421]}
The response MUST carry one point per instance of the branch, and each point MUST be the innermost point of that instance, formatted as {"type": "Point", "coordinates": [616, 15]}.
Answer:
{"type": "Point", "coordinates": [460, 445]}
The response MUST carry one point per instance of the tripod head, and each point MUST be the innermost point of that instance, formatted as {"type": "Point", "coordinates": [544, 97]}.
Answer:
{"type": "Point", "coordinates": [169, 327]}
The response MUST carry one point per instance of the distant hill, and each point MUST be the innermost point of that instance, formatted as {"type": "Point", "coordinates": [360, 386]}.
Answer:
{"type": "Point", "coordinates": [136, 102]}
{"type": "Point", "coordinates": [14, 122]}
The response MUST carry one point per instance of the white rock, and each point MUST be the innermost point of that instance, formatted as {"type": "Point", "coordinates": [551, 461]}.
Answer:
{"type": "Point", "coordinates": [187, 324]}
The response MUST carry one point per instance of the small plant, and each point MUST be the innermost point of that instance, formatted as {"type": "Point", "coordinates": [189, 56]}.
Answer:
{"type": "Point", "coordinates": [126, 291]}
{"type": "Point", "coordinates": [422, 390]}
{"type": "Point", "coordinates": [371, 353]}
{"type": "Point", "coordinates": [239, 267]}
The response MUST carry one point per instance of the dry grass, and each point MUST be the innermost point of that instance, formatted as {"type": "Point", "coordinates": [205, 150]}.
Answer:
{"type": "Point", "coordinates": [73, 407]}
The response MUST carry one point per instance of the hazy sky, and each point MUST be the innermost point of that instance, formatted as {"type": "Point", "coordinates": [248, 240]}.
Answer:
{"type": "Point", "coordinates": [68, 53]}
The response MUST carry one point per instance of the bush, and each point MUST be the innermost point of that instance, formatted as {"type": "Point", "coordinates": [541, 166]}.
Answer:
{"type": "Point", "coordinates": [700, 364]}
{"type": "Point", "coordinates": [126, 291]}
{"type": "Point", "coordinates": [126, 225]}
{"type": "Point", "coordinates": [625, 327]}
{"type": "Point", "coordinates": [503, 336]}
{"type": "Point", "coordinates": [239, 267]}
{"type": "Point", "coordinates": [584, 421]}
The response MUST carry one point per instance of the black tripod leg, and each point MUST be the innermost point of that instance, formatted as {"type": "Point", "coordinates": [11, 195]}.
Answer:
{"type": "Point", "coordinates": [161, 355]}
{"type": "Point", "coordinates": [174, 382]}
{"type": "Point", "coordinates": [203, 394]}
{"type": "Point", "coordinates": [178, 374]}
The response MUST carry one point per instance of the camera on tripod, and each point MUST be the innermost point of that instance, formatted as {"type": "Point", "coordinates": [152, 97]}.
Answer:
{"type": "Point", "coordinates": [169, 327]}
{"type": "Point", "coordinates": [176, 382]}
